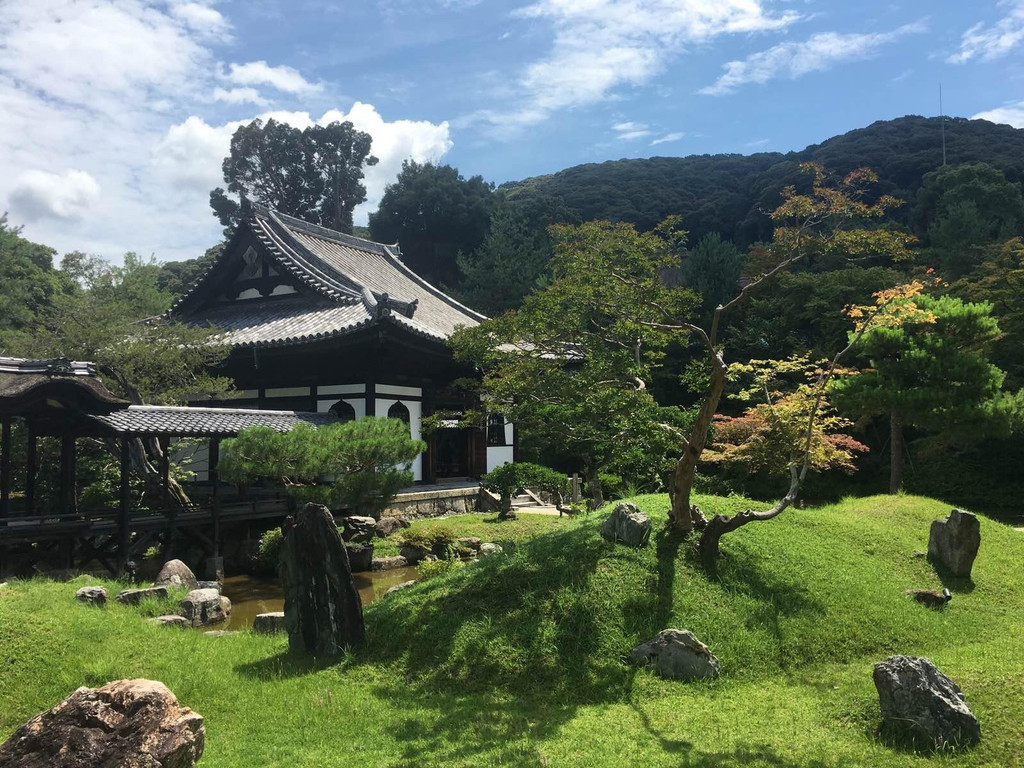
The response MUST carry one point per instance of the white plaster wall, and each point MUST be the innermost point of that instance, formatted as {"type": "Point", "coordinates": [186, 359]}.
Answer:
{"type": "Point", "coordinates": [358, 405]}
{"type": "Point", "coordinates": [498, 455]}
{"type": "Point", "coordinates": [415, 422]}
{"type": "Point", "coordinates": [192, 454]}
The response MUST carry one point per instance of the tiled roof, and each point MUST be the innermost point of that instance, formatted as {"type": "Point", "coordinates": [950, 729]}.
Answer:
{"type": "Point", "coordinates": [284, 321]}
{"type": "Point", "coordinates": [351, 283]}
{"type": "Point", "coordinates": [183, 421]}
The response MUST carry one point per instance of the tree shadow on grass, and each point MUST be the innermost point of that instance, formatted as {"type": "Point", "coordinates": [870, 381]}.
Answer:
{"type": "Point", "coordinates": [283, 666]}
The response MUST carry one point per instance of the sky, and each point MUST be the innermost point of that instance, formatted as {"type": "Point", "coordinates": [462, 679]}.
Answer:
{"type": "Point", "coordinates": [115, 115]}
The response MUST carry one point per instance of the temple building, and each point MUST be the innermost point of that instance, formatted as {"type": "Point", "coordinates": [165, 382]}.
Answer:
{"type": "Point", "coordinates": [321, 321]}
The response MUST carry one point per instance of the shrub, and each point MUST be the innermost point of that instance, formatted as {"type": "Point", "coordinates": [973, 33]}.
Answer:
{"type": "Point", "coordinates": [509, 480]}
{"type": "Point", "coordinates": [440, 541]}
{"type": "Point", "coordinates": [431, 568]}
{"type": "Point", "coordinates": [269, 551]}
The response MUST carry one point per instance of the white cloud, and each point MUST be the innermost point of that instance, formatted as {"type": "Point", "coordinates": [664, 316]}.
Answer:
{"type": "Point", "coordinates": [795, 59]}
{"type": "Point", "coordinates": [668, 137]}
{"type": "Point", "coordinates": [988, 42]}
{"type": "Point", "coordinates": [602, 45]}
{"type": "Point", "coordinates": [190, 154]}
{"type": "Point", "coordinates": [239, 96]}
{"type": "Point", "coordinates": [1008, 114]}
{"type": "Point", "coordinates": [630, 130]}
{"type": "Point", "coordinates": [40, 195]}
{"type": "Point", "coordinates": [283, 77]}
{"type": "Point", "coordinates": [204, 20]}
{"type": "Point", "coordinates": [628, 126]}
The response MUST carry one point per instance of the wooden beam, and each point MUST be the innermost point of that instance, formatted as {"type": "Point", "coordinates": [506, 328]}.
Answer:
{"type": "Point", "coordinates": [31, 468]}
{"type": "Point", "coordinates": [214, 473]}
{"type": "Point", "coordinates": [123, 509]}
{"type": "Point", "coordinates": [67, 474]}
{"type": "Point", "coordinates": [5, 469]}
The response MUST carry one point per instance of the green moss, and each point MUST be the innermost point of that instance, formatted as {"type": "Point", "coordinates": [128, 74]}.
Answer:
{"type": "Point", "coordinates": [517, 659]}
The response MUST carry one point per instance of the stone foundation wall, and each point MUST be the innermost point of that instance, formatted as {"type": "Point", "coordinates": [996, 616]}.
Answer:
{"type": "Point", "coordinates": [412, 506]}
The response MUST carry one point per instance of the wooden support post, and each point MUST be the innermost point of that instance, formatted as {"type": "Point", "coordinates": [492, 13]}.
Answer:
{"type": "Point", "coordinates": [5, 470]}
{"type": "Point", "coordinates": [123, 510]}
{"type": "Point", "coordinates": [31, 468]}
{"type": "Point", "coordinates": [213, 462]}
{"type": "Point", "coordinates": [67, 474]}
{"type": "Point", "coordinates": [165, 484]}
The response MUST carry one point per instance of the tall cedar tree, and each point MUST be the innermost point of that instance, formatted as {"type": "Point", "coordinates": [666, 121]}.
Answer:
{"type": "Point", "coordinates": [571, 367]}
{"type": "Point", "coordinates": [930, 371]}
{"type": "Point", "coordinates": [315, 173]}
{"type": "Point", "coordinates": [434, 214]}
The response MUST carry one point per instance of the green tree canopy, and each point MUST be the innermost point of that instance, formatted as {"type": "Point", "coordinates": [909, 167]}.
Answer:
{"type": "Point", "coordinates": [433, 213]}
{"type": "Point", "coordinates": [712, 268]}
{"type": "Point", "coordinates": [367, 462]}
{"type": "Point", "coordinates": [929, 369]}
{"type": "Point", "coordinates": [315, 173]}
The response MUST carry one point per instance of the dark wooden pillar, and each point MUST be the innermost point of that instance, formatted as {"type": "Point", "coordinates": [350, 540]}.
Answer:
{"type": "Point", "coordinates": [213, 462]}
{"type": "Point", "coordinates": [31, 468]}
{"type": "Point", "coordinates": [5, 469]}
{"type": "Point", "coordinates": [371, 398]}
{"type": "Point", "coordinates": [165, 495]}
{"type": "Point", "coordinates": [67, 474]}
{"type": "Point", "coordinates": [124, 510]}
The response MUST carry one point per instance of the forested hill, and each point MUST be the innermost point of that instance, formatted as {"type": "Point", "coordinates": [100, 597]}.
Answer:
{"type": "Point", "coordinates": [729, 194]}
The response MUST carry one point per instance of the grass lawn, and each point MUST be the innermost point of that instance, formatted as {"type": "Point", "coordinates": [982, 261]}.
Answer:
{"type": "Point", "coordinates": [517, 660]}
{"type": "Point", "coordinates": [527, 525]}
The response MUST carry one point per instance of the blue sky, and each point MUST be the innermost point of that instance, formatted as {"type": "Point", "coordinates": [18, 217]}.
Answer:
{"type": "Point", "coordinates": [116, 113]}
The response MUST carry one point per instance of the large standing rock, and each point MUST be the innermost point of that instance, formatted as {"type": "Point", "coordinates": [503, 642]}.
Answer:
{"type": "Point", "coordinates": [135, 596]}
{"type": "Point", "coordinates": [678, 655]}
{"type": "Point", "coordinates": [953, 542]}
{"type": "Point", "coordinates": [917, 700]}
{"type": "Point", "coordinates": [358, 529]}
{"type": "Point", "coordinates": [388, 525]}
{"type": "Point", "coordinates": [360, 557]}
{"type": "Point", "coordinates": [204, 606]}
{"type": "Point", "coordinates": [322, 610]}
{"type": "Point", "coordinates": [92, 595]}
{"type": "Point", "coordinates": [628, 525]}
{"type": "Point", "coordinates": [130, 723]}
{"type": "Point", "coordinates": [176, 574]}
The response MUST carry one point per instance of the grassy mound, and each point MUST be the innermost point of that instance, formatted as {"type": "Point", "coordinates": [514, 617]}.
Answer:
{"type": "Point", "coordinates": [517, 660]}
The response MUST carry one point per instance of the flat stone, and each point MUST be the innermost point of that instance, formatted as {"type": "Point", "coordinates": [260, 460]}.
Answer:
{"type": "Point", "coordinates": [204, 606]}
{"type": "Point", "coordinates": [400, 587]}
{"type": "Point", "coordinates": [678, 655]}
{"type": "Point", "coordinates": [131, 723]}
{"type": "Point", "coordinates": [269, 623]}
{"type": "Point", "coordinates": [220, 632]}
{"type": "Point", "coordinates": [209, 585]}
{"type": "Point", "coordinates": [471, 542]}
{"type": "Point", "coordinates": [627, 525]}
{"type": "Point", "coordinates": [169, 620]}
{"type": "Point", "coordinates": [389, 563]}
{"type": "Point", "coordinates": [136, 596]}
{"type": "Point", "coordinates": [489, 548]}
{"type": "Point", "coordinates": [92, 595]}
{"type": "Point", "coordinates": [921, 704]}
{"type": "Point", "coordinates": [953, 542]}
{"type": "Point", "coordinates": [176, 574]}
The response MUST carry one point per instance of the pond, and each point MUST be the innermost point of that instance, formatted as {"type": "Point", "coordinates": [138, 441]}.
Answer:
{"type": "Point", "coordinates": [251, 596]}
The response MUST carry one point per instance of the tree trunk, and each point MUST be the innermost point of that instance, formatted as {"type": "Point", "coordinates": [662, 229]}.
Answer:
{"type": "Point", "coordinates": [505, 512]}
{"type": "Point", "coordinates": [594, 486]}
{"type": "Point", "coordinates": [896, 445]}
{"type": "Point", "coordinates": [684, 516]}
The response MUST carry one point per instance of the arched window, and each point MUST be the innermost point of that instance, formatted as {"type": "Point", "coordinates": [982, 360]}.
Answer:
{"type": "Point", "coordinates": [344, 411]}
{"type": "Point", "coordinates": [399, 411]}
{"type": "Point", "coordinates": [495, 429]}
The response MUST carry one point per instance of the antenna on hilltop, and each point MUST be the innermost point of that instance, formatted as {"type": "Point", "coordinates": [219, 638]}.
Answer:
{"type": "Point", "coordinates": [942, 115]}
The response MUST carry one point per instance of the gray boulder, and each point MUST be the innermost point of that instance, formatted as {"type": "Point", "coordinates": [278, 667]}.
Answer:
{"type": "Point", "coordinates": [134, 723]}
{"type": "Point", "coordinates": [953, 542]}
{"type": "Point", "coordinates": [471, 542]}
{"type": "Point", "coordinates": [388, 525]}
{"type": "Point", "coordinates": [92, 595]}
{"type": "Point", "coordinates": [220, 632]}
{"type": "Point", "coordinates": [322, 609]}
{"type": "Point", "coordinates": [628, 525]}
{"type": "Point", "coordinates": [209, 585]}
{"type": "Point", "coordinates": [919, 702]}
{"type": "Point", "coordinates": [413, 553]}
{"type": "Point", "coordinates": [360, 557]}
{"type": "Point", "coordinates": [400, 587]}
{"type": "Point", "coordinates": [678, 655]}
{"type": "Point", "coordinates": [489, 548]}
{"type": "Point", "coordinates": [176, 574]}
{"type": "Point", "coordinates": [269, 623]}
{"type": "Point", "coordinates": [136, 596]}
{"type": "Point", "coordinates": [204, 606]}
{"type": "Point", "coordinates": [357, 529]}
{"type": "Point", "coordinates": [170, 620]}
{"type": "Point", "coordinates": [388, 563]}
